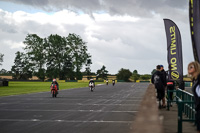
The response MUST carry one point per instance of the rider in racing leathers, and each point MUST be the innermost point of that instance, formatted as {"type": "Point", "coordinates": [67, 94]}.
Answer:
{"type": "Point", "coordinates": [54, 82]}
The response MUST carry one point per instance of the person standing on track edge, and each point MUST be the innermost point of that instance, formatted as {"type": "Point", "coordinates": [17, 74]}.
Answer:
{"type": "Point", "coordinates": [158, 80]}
{"type": "Point", "coordinates": [194, 71]}
{"type": "Point", "coordinates": [165, 82]}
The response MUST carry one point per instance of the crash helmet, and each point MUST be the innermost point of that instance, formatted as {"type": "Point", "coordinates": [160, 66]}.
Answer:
{"type": "Point", "coordinates": [54, 80]}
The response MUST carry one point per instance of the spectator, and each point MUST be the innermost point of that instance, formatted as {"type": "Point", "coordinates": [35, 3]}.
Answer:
{"type": "Point", "coordinates": [158, 80]}
{"type": "Point", "coordinates": [165, 82]}
{"type": "Point", "coordinates": [170, 86]}
{"type": "Point", "coordinates": [194, 71]}
{"type": "Point", "coordinates": [164, 74]}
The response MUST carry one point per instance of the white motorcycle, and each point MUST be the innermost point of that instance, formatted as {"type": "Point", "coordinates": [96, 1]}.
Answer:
{"type": "Point", "coordinates": [113, 82]}
{"type": "Point", "coordinates": [91, 85]}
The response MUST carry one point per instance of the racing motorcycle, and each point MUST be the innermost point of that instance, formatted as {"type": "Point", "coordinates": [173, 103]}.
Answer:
{"type": "Point", "coordinates": [113, 82]}
{"type": "Point", "coordinates": [54, 90]}
{"type": "Point", "coordinates": [91, 85]}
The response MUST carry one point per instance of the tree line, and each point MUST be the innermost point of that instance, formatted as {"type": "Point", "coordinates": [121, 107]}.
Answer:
{"type": "Point", "coordinates": [54, 57]}
{"type": "Point", "coordinates": [127, 75]}
{"type": "Point", "coordinates": [1, 58]}
{"type": "Point", "coordinates": [59, 57]}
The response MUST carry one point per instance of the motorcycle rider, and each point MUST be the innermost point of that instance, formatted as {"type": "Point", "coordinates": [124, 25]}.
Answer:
{"type": "Point", "coordinates": [113, 81]}
{"type": "Point", "coordinates": [54, 82]}
{"type": "Point", "coordinates": [107, 81]}
{"type": "Point", "coordinates": [92, 81]}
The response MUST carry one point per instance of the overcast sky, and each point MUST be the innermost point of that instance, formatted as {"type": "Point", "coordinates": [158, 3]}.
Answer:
{"type": "Point", "coordinates": [126, 34]}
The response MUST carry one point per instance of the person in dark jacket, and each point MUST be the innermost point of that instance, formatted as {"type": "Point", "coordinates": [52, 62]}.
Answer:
{"type": "Point", "coordinates": [165, 82]}
{"type": "Point", "coordinates": [194, 71]}
{"type": "Point", "coordinates": [164, 74]}
{"type": "Point", "coordinates": [158, 80]}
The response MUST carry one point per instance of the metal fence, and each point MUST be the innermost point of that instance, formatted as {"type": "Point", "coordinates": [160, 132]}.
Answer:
{"type": "Point", "coordinates": [185, 102]}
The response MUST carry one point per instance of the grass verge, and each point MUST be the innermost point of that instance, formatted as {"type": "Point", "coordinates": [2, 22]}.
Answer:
{"type": "Point", "coordinates": [16, 88]}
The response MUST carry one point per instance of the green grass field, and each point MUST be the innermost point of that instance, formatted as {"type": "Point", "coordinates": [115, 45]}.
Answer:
{"type": "Point", "coordinates": [16, 88]}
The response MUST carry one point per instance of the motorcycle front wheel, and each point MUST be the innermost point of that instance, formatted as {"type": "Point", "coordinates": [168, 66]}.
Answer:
{"type": "Point", "coordinates": [53, 93]}
{"type": "Point", "coordinates": [91, 89]}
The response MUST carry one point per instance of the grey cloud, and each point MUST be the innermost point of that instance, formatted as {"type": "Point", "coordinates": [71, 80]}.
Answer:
{"type": "Point", "coordinates": [5, 26]}
{"type": "Point", "coordinates": [148, 40]}
{"type": "Point", "coordinates": [52, 5]}
{"type": "Point", "coordinates": [139, 8]}
{"type": "Point", "coordinates": [9, 56]}
{"type": "Point", "coordinates": [9, 28]}
{"type": "Point", "coordinates": [80, 29]}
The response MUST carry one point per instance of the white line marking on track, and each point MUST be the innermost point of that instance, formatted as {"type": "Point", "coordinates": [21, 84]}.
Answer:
{"type": "Point", "coordinates": [76, 104]}
{"type": "Point", "coordinates": [66, 121]}
{"type": "Point", "coordinates": [35, 110]}
{"type": "Point", "coordinates": [133, 85]}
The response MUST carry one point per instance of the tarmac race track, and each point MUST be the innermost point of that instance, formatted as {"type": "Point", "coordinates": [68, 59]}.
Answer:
{"type": "Point", "coordinates": [109, 109]}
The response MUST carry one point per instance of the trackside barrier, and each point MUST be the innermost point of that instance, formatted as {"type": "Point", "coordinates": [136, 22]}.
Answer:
{"type": "Point", "coordinates": [87, 81]}
{"type": "Point", "coordinates": [61, 81]}
{"type": "Point", "coordinates": [110, 81]}
{"type": "Point", "coordinates": [185, 102]}
{"type": "Point", "coordinates": [188, 84]}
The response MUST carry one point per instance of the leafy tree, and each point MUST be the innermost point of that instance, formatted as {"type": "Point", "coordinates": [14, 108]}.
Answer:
{"type": "Point", "coordinates": [135, 76]}
{"type": "Point", "coordinates": [102, 73]}
{"type": "Point", "coordinates": [87, 69]}
{"type": "Point", "coordinates": [78, 52]}
{"type": "Point", "coordinates": [1, 59]}
{"type": "Point", "coordinates": [145, 77]}
{"type": "Point", "coordinates": [22, 68]}
{"type": "Point", "coordinates": [41, 73]}
{"type": "Point", "coordinates": [124, 74]}
{"type": "Point", "coordinates": [67, 69]}
{"type": "Point", "coordinates": [3, 71]}
{"type": "Point", "coordinates": [54, 56]}
{"type": "Point", "coordinates": [36, 51]}
{"type": "Point", "coordinates": [56, 51]}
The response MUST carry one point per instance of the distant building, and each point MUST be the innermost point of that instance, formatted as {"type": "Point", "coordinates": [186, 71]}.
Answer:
{"type": "Point", "coordinates": [11, 77]}
{"type": "Point", "coordinates": [112, 77]}
{"type": "Point", "coordinates": [6, 77]}
{"type": "Point", "coordinates": [89, 77]}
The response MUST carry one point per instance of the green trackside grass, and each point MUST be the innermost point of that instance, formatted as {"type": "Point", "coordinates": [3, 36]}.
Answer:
{"type": "Point", "coordinates": [16, 88]}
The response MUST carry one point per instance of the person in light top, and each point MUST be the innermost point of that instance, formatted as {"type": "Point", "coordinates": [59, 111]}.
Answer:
{"type": "Point", "coordinates": [194, 72]}
{"type": "Point", "coordinates": [92, 81]}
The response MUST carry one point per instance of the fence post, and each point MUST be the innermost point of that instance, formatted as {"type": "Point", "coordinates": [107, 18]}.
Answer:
{"type": "Point", "coordinates": [183, 99]}
{"type": "Point", "coordinates": [180, 109]}
{"type": "Point", "coordinates": [177, 96]}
